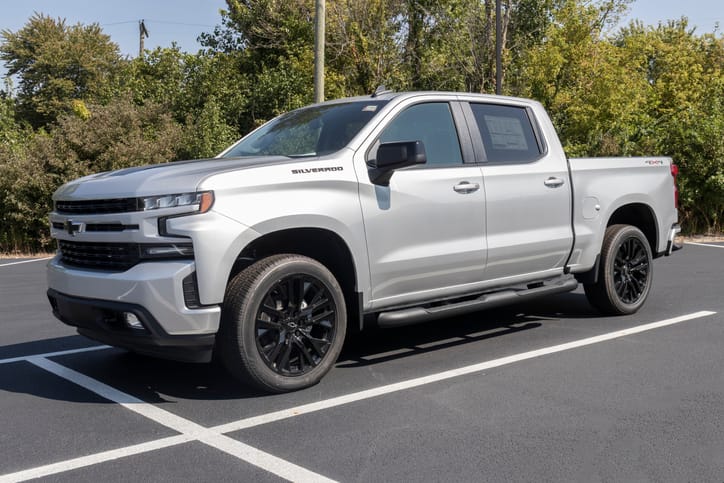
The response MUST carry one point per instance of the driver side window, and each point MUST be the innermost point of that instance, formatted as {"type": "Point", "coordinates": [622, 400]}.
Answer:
{"type": "Point", "coordinates": [432, 123]}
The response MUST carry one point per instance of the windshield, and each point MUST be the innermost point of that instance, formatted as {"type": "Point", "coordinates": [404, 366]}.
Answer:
{"type": "Point", "coordinates": [311, 131]}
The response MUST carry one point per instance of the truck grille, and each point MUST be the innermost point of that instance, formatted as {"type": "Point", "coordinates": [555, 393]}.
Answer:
{"type": "Point", "coordinates": [98, 227]}
{"type": "Point", "coordinates": [104, 256]}
{"type": "Point", "coordinates": [94, 207]}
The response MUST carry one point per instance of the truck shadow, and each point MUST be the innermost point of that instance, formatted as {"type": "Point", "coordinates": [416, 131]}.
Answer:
{"type": "Point", "coordinates": [167, 382]}
{"type": "Point", "coordinates": [380, 345]}
{"type": "Point", "coordinates": [45, 346]}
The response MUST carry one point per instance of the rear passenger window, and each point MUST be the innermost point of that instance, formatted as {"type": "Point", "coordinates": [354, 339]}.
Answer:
{"type": "Point", "coordinates": [507, 133]}
{"type": "Point", "coordinates": [432, 124]}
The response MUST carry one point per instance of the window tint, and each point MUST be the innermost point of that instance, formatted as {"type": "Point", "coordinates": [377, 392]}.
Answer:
{"type": "Point", "coordinates": [507, 133]}
{"type": "Point", "coordinates": [433, 125]}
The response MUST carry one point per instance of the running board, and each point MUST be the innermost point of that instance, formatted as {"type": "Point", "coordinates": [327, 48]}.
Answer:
{"type": "Point", "coordinates": [415, 315]}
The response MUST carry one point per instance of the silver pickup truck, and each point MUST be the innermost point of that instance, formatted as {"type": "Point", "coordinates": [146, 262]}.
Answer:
{"type": "Point", "coordinates": [389, 209]}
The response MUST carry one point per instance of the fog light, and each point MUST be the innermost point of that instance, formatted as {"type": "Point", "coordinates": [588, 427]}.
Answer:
{"type": "Point", "coordinates": [132, 321]}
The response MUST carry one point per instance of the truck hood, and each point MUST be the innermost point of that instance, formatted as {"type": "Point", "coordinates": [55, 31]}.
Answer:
{"type": "Point", "coordinates": [159, 179]}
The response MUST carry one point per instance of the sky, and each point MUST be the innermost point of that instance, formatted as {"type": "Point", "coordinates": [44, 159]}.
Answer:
{"type": "Point", "coordinates": [167, 21]}
{"type": "Point", "coordinates": [183, 20]}
{"type": "Point", "coordinates": [704, 14]}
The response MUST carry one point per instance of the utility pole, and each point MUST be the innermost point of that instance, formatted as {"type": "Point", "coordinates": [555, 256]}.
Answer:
{"type": "Point", "coordinates": [319, 51]}
{"type": "Point", "coordinates": [142, 33]}
{"type": "Point", "coordinates": [498, 49]}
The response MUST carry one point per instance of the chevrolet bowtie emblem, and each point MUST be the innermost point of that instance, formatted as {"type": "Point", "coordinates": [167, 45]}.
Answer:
{"type": "Point", "coordinates": [72, 228]}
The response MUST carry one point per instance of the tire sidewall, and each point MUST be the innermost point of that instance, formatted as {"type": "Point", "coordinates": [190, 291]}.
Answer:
{"type": "Point", "coordinates": [247, 326]}
{"type": "Point", "coordinates": [624, 234]}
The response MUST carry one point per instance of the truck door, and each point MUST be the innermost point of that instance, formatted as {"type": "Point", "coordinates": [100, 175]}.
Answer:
{"type": "Point", "coordinates": [528, 193]}
{"type": "Point", "coordinates": [425, 231]}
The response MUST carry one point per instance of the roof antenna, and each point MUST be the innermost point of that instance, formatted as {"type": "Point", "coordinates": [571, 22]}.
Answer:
{"type": "Point", "coordinates": [381, 90]}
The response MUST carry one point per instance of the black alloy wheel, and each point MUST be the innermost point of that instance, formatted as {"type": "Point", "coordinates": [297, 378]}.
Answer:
{"type": "Point", "coordinates": [283, 323]}
{"type": "Point", "coordinates": [295, 325]}
{"type": "Point", "coordinates": [624, 272]}
{"type": "Point", "coordinates": [631, 270]}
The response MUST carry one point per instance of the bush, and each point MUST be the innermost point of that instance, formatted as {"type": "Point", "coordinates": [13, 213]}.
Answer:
{"type": "Point", "coordinates": [110, 137]}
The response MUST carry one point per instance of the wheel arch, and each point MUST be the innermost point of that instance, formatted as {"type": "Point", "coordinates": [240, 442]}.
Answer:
{"type": "Point", "coordinates": [642, 217]}
{"type": "Point", "coordinates": [320, 244]}
{"type": "Point", "coordinates": [637, 214]}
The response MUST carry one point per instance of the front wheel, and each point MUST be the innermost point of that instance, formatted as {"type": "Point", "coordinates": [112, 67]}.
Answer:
{"type": "Point", "coordinates": [283, 323]}
{"type": "Point", "coordinates": [624, 277]}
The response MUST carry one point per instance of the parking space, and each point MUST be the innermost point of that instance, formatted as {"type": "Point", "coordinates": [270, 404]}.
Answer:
{"type": "Point", "coordinates": [583, 422]}
{"type": "Point", "coordinates": [548, 390]}
{"type": "Point", "coordinates": [192, 461]}
{"type": "Point", "coordinates": [56, 422]}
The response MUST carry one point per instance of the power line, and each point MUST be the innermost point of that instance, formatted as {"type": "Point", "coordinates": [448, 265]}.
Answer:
{"type": "Point", "coordinates": [158, 21]}
{"type": "Point", "coordinates": [180, 23]}
{"type": "Point", "coordinates": [117, 23]}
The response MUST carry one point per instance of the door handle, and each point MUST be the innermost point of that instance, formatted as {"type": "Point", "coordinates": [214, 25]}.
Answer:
{"type": "Point", "coordinates": [465, 187]}
{"type": "Point", "coordinates": [553, 182]}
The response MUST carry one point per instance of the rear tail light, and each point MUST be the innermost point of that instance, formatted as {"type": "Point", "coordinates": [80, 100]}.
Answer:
{"type": "Point", "coordinates": [674, 174]}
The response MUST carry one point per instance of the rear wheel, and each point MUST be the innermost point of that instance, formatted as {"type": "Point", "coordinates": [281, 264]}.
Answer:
{"type": "Point", "coordinates": [624, 277]}
{"type": "Point", "coordinates": [283, 323]}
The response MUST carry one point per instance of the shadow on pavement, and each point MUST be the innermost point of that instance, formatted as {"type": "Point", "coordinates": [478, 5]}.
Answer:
{"type": "Point", "coordinates": [44, 346]}
{"type": "Point", "coordinates": [379, 345]}
{"type": "Point", "coordinates": [25, 378]}
{"type": "Point", "coordinates": [161, 381]}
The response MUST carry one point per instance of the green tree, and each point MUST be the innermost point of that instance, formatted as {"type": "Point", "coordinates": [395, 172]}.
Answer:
{"type": "Point", "coordinates": [644, 91]}
{"type": "Point", "coordinates": [584, 81]}
{"type": "Point", "coordinates": [11, 134]}
{"type": "Point", "coordinates": [270, 41]}
{"type": "Point", "coordinates": [208, 133]}
{"type": "Point", "coordinates": [684, 73]}
{"type": "Point", "coordinates": [117, 135]}
{"type": "Point", "coordinates": [57, 63]}
{"type": "Point", "coordinates": [161, 76]}
{"type": "Point", "coordinates": [364, 46]}
{"type": "Point", "coordinates": [207, 92]}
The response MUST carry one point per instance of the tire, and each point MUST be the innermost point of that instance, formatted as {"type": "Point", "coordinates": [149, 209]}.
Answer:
{"type": "Point", "coordinates": [283, 323]}
{"type": "Point", "coordinates": [624, 274]}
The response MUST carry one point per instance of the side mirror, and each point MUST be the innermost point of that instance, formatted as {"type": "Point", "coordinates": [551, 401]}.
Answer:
{"type": "Point", "coordinates": [393, 156]}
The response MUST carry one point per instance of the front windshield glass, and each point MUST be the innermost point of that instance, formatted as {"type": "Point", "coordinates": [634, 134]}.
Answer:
{"type": "Point", "coordinates": [311, 131]}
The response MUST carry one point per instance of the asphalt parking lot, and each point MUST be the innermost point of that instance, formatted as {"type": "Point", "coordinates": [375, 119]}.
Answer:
{"type": "Point", "coordinates": [546, 391]}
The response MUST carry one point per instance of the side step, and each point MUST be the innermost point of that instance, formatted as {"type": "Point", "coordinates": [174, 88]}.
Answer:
{"type": "Point", "coordinates": [415, 315]}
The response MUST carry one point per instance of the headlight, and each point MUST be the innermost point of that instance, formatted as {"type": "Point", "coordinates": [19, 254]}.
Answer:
{"type": "Point", "coordinates": [202, 201]}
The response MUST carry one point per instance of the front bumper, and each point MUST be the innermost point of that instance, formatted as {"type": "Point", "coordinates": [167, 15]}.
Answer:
{"type": "Point", "coordinates": [104, 321]}
{"type": "Point", "coordinates": [95, 302]}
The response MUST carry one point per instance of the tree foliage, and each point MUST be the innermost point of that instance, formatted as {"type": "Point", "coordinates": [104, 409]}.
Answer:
{"type": "Point", "coordinates": [80, 107]}
{"type": "Point", "coordinates": [57, 63]}
{"type": "Point", "coordinates": [117, 135]}
{"type": "Point", "coordinates": [647, 90]}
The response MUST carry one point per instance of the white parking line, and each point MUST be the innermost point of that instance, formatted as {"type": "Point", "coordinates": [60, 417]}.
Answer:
{"type": "Point", "coordinates": [25, 261]}
{"type": "Point", "coordinates": [83, 461]}
{"type": "Point", "coordinates": [56, 354]}
{"type": "Point", "coordinates": [705, 244]}
{"type": "Point", "coordinates": [215, 436]}
{"type": "Point", "coordinates": [256, 457]}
